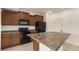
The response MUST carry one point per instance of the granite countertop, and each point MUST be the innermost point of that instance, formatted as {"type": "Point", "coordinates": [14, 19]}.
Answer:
{"type": "Point", "coordinates": [52, 40]}
{"type": "Point", "coordinates": [11, 31]}
{"type": "Point", "coordinates": [32, 30]}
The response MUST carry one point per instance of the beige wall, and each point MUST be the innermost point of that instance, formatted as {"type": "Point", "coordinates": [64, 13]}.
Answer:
{"type": "Point", "coordinates": [54, 21]}
{"type": "Point", "coordinates": [70, 20]}
{"type": "Point", "coordinates": [71, 25]}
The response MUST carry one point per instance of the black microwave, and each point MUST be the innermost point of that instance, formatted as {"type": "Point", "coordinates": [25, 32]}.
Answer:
{"type": "Point", "coordinates": [23, 22]}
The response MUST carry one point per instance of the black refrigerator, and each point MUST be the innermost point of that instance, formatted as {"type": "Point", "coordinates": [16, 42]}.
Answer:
{"type": "Point", "coordinates": [40, 26]}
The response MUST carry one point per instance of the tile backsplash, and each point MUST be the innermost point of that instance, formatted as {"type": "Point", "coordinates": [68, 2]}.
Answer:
{"type": "Point", "coordinates": [10, 27]}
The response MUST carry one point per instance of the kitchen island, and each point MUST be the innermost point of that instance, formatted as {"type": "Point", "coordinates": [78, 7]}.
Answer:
{"type": "Point", "coordinates": [49, 41]}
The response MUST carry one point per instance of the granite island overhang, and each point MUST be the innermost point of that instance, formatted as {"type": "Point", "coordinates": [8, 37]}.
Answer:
{"type": "Point", "coordinates": [52, 40]}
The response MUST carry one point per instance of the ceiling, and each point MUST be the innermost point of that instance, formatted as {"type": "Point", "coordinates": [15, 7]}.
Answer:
{"type": "Point", "coordinates": [44, 10]}
{"type": "Point", "coordinates": [40, 10]}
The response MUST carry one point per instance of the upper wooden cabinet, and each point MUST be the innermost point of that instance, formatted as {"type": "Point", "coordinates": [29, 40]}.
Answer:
{"type": "Point", "coordinates": [38, 18]}
{"type": "Point", "coordinates": [35, 18]}
{"type": "Point", "coordinates": [9, 17]}
{"type": "Point", "coordinates": [12, 17]}
{"type": "Point", "coordinates": [32, 20]}
{"type": "Point", "coordinates": [23, 15]}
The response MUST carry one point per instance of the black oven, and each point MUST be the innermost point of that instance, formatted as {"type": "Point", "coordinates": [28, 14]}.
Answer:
{"type": "Point", "coordinates": [23, 35]}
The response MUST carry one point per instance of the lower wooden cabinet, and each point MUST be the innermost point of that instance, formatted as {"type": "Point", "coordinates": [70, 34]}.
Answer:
{"type": "Point", "coordinates": [5, 40]}
{"type": "Point", "coordinates": [9, 39]}
{"type": "Point", "coordinates": [15, 39]}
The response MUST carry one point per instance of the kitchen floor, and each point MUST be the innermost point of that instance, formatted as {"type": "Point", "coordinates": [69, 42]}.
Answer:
{"type": "Point", "coordinates": [24, 47]}
{"type": "Point", "coordinates": [70, 47]}
{"type": "Point", "coordinates": [29, 47]}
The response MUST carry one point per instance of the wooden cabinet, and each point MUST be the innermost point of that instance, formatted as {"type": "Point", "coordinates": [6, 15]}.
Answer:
{"type": "Point", "coordinates": [35, 18]}
{"type": "Point", "coordinates": [38, 18]}
{"type": "Point", "coordinates": [12, 17]}
{"type": "Point", "coordinates": [15, 39]}
{"type": "Point", "coordinates": [5, 40]}
{"type": "Point", "coordinates": [32, 20]}
{"type": "Point", "coordinates": [9, 39]}
{"type": "Point", "coordinates": [23, 15]}
{"type": "Point", "coordinates": [9, 17]}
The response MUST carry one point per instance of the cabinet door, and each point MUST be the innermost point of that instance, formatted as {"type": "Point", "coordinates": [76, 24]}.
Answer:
{"type": "Point", "coordinates": [35, 18]}
{"type": "Point", "coordinates": [5, 41]}
{"type": "Point", "coordinates": [9, 39]}
{"type": "Point", "coordinates": [39, 18]}
{"type": "Point", "coordinates": [15, 39]}
{"type": "Point", "coordinates": [5, 17]}
{"type": "Point", "coordinates": [15, 19]}
{"type": "Point", "coordinates": [9, 17]}
{"type": "Point", "coordinates": [23, 15]}
{"type": "Point", "coordinates": [32, 20]}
